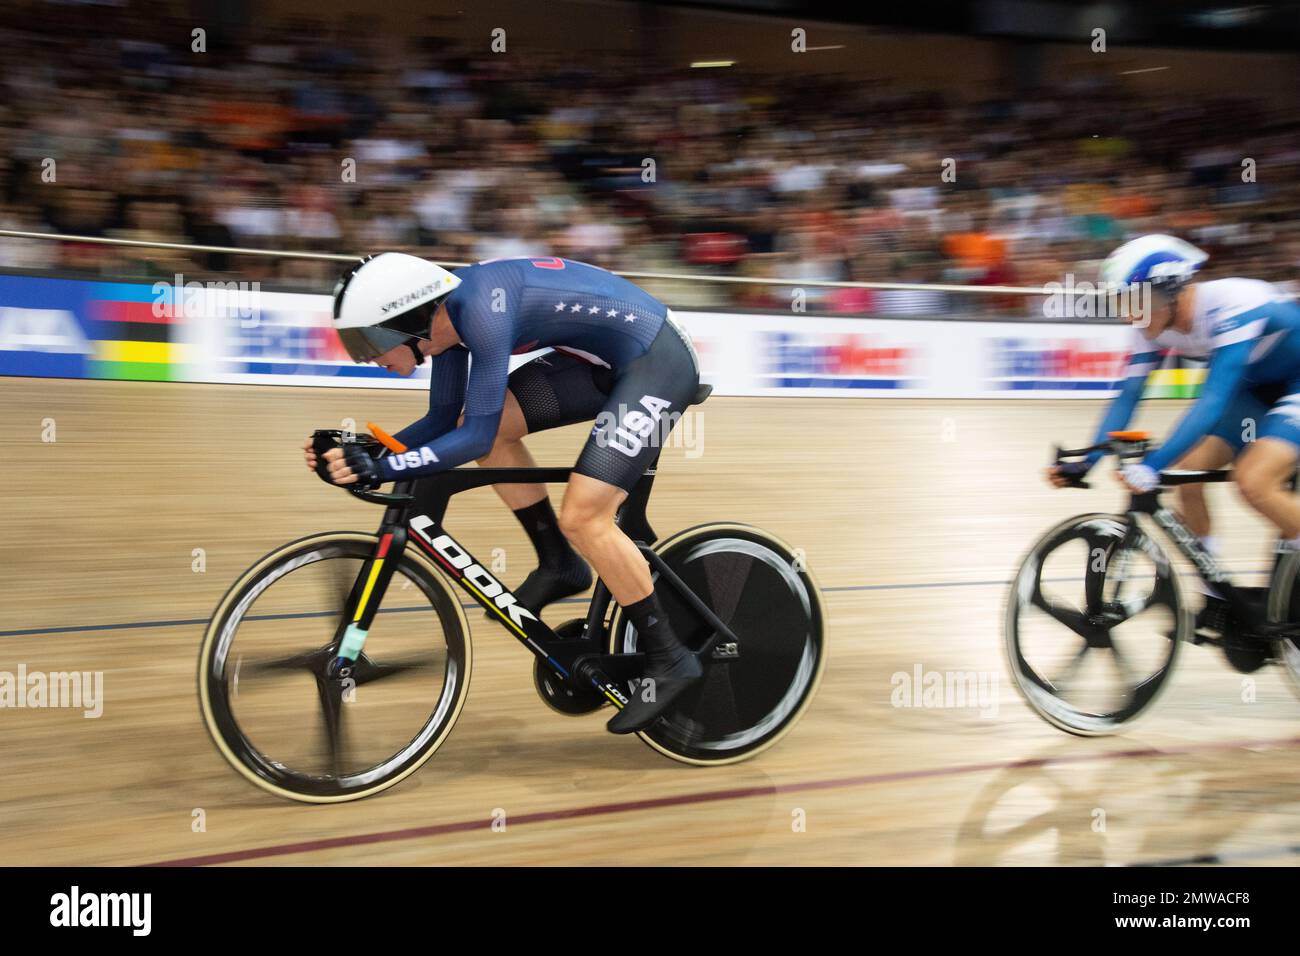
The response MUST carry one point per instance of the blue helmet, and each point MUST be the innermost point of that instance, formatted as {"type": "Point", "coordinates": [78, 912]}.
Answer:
{"type": "Point", "coordinates": [1158, 259]}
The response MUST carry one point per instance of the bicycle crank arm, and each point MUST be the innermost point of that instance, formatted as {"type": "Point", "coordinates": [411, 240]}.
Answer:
{"type": "Point", "coordinates": [1278, 631]}
{"type": "Point", "coordinates": [608, 674]}
{"type": "Point", "coordinates": [614, 667]}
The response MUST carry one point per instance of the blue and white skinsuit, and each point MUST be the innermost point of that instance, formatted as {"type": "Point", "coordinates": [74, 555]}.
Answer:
{"type": "Point", "coordinates": [1250, 335]}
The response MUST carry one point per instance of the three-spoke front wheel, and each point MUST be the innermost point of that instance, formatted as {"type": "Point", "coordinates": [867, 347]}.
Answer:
{"type": "Point", "coordinates": [279, 713]}
{"type": "Point", "coordinates": [1094, 623]}
{"type": "Point", "coordinates": [752, 693]}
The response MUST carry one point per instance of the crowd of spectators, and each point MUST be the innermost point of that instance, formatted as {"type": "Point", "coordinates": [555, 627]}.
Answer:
{"type": "Point", "coordinates": [333, 138]}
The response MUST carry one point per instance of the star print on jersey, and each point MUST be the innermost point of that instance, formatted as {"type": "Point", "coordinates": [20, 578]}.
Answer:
{"type": "Point", "coordinates": [593, 310]}
{"type": "Point", "coordinates": [587, 312]}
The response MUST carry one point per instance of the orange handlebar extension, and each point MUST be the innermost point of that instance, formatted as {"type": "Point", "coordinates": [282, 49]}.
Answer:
{"type": "Point", "coordinates": [385, 439]}
{"type": "Point", "coordinates": [1129, 436]}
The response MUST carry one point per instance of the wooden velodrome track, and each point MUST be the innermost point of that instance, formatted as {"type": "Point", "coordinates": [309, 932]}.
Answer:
{"type": "Point", "coordinates": [913, 515]}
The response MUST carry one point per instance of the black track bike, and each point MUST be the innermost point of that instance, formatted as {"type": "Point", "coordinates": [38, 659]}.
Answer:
{"type": "Point", "coordinates": [1095, 619]}
{"type": "Point", "coordinates": [363, 638]}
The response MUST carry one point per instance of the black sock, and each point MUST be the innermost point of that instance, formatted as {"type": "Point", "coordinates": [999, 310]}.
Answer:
{"type": "Point", "coordinates": [651, 624]}
{"type": "Point", "coordinates": [666, 656]}
{"type": "Point", "coordinates": [543, 529]}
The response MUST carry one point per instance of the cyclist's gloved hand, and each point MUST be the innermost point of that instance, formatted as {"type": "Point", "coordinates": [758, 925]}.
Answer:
{"type": "Point", "coordinates": [1068, 473]}
{"type": "Point", "coordinates": [325, 440]}
{"type": "Point", "coordinates": [1139, 477]}
{"type": "Point", "coordinates": [353, 466]}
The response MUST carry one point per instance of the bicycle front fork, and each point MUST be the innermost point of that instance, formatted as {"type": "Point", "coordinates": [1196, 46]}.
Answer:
{"type": "Point", "coordinates": [365, 597]}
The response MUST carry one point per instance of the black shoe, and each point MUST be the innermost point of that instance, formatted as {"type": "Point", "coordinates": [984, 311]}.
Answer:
{"type": "Point", "coordinates": [1245, 653]}
{"type": "Point", "coordinates": [546, 585]}
{"type": "Point", "coordinates": [673, 669]}
{"type": "Point", "coordinates": [1245, 650]}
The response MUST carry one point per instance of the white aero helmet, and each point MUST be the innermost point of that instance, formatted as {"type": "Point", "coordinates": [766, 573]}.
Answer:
{"type": "Point", "coordinates": [1158, 259]}
{"type": "Point", "coordinates": [377, 303]}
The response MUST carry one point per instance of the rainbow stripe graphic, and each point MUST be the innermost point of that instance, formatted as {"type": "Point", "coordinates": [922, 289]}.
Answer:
{"type": "Point", "coordinates": [131, 326]}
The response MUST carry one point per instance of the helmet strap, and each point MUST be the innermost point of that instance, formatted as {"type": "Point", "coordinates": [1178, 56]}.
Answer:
{"type": "Point", "coordinates": [414, 345]}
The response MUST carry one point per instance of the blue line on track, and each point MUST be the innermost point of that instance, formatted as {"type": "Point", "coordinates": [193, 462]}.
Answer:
{"type": "Point", "coordinates": [192, 622]}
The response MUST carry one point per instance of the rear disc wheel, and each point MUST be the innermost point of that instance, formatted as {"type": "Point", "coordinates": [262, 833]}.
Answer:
{"type": "Point", "coordinates": [753, 693]}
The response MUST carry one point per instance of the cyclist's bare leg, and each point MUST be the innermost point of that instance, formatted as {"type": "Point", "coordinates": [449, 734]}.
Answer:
{"type": "Point", "coordinates": [587, 520]}
{"type": "Point", "coordinates": [1262, 476]}
{"type": "Point", "coordinates": [1212, 452]}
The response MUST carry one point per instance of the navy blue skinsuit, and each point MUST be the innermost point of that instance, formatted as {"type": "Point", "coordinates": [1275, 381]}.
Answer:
{"type": "Point", "coordinates": [606, 332]}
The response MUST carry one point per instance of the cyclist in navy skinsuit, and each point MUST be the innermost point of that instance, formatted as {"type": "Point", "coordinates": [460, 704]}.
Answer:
{"type": "Point", "coordinates": [617, 358]}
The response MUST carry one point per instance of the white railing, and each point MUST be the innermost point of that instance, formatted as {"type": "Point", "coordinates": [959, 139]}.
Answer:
{"type": "Point", "coordinates": [679, 276]}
